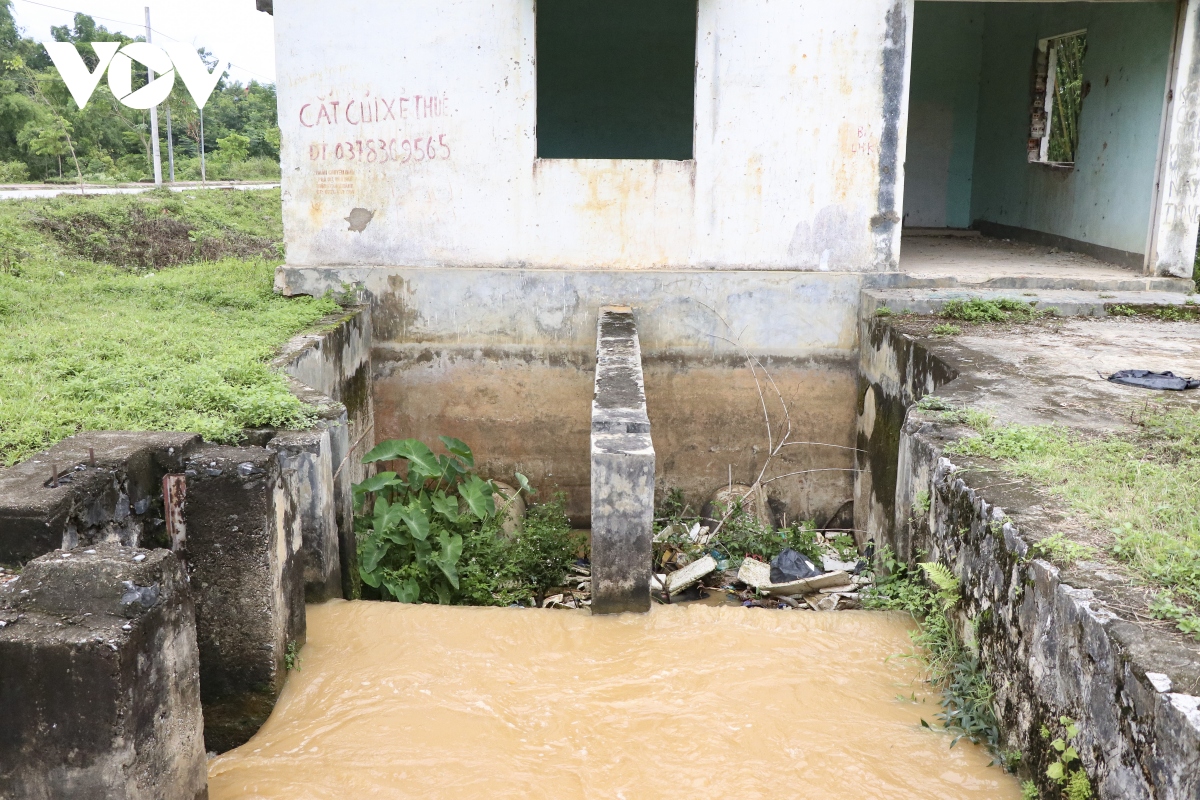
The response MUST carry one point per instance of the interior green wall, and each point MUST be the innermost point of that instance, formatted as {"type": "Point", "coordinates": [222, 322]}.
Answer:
{"type": "Point", "coordinates": [1106, 199]}
{"type": "Point", "coordinates": [616, 78]}
{"type": "Point", "coordinates": [943, 106]}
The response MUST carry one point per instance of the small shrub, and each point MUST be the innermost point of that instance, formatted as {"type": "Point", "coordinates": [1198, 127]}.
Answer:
{"type": "Point", "coordinates": [922, 504]}
{"type": "Point", "coordinates": [1165, 607]}
{"type": "Point", "coordinates": [13, 172]}
{"type": "Point", "coordinates": [291, 657]}
{"type": "Point", "coordinates": [1029, 791]}
{"type": "Point", "coordinates": [434, 534]}
{"type": "Point", "coordinates": [743, 535]}
{"type": "Point", "coordinates": [883, 311]}
{"type": "Point", "coordinates": [946, 329]}
{"type": "Point", "coordinates": [1117, 310]}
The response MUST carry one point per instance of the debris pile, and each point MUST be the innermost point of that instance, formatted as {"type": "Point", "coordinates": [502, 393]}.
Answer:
{"type": "Point", "coordinates": [736, 550]}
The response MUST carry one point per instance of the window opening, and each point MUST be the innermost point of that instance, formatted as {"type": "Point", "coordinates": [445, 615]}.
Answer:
{"type": "Point", "coordinates": [1058, 99]}
{"type": "Point", "coordinates": [616, 78]}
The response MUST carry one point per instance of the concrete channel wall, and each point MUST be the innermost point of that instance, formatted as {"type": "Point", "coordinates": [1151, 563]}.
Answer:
{"type": "Point", "coordinates": [1050, 640]}
{"type": "Point", "coordinates": [622, 469]}
{"type": "Point", "coordinates": [254, 529]}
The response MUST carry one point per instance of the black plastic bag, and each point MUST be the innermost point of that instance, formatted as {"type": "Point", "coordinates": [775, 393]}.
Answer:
{"type": "Point", "coordinates": [1163, 381]}
{"type": "Point", "coordinates": [791, 566]}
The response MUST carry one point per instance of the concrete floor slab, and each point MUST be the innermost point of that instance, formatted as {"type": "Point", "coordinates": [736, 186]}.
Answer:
{"type": "Point", "coordinates": [981, 260]}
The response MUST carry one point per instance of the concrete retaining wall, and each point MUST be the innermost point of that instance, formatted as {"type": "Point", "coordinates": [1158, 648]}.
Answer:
{"type": "Point", "coordinates": [1050, 642]}
{"type": "Point", "coordinates": [503, 359]}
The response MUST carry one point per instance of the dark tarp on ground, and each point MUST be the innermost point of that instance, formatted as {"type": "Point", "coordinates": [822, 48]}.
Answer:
{"type": "Point", "coordinates": [1163, 381]}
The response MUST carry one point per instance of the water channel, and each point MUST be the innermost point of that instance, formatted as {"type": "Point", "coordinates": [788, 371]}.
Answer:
{"type": "Point", "coordinates": [695, 700]}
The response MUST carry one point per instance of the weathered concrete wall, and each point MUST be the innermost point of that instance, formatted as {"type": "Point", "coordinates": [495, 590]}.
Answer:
{"type": "Point", "coordinates": [1053, 648]}
{"type": "Point", "coordinates": [894, 371]}
{"type": "Point", "coordinates": [99, 683]}
{"type": "Point", "coordinates": [503, 359]}
{"type": "Point", "coordinates": [622, 475]}
{"type": "Point", "coordinates": [1106, 200]}
{"type": "Point", "coordinates": [1055, 642]}
{"type": "Point", "coordinates": [800, 119]}
{"type": "Point", "coordinates": [245, 554]}
{"type": "Point", "coordinates": [1176, 219]}
{"type": "Point", "coordinates": [332, 372]}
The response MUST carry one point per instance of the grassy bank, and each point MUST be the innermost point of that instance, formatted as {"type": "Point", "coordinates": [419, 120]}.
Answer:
{"type": "Point", "coordinates": [143, 312]}
{"type": "Point", "coordinates": [1139, 490]}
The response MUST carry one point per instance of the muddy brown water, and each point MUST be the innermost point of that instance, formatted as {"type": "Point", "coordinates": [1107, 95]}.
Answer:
{"type": "Point", "coordinates": [399, 701]}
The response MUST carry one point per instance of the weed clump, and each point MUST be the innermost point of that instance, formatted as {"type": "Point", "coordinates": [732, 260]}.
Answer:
{"type": "Point", "coordinates": [1001, 310]}
{"type": "Point", "coordinates": [435, 535]}
{"type": "Point", "coordinates": [928, 593]}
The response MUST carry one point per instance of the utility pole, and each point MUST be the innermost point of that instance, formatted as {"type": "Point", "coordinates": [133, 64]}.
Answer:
{"type": "Point", "coordinates": [153, 118]}
{"type": "Point", "coordinates": [170, 142]}
{"type": "Point", "coordinates": [203, 179]}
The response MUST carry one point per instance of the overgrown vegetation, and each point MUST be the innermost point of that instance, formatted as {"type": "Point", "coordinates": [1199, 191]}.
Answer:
{"type": "Point", "coordinates": [741, 536]}
{"type": "Point", "coordinates": [100, 336]}
{"type": "Point", "coordinates": [1140, 489]}
{"type": "Point", "coordinates": [434, 534]}
{"type": "Point", "coordinates": [928, 593]}
{"type": "Point", "coordinates": [1001, 310]}
{"type": "Point", "coordinates": [946, 329]}
{"type": "Point", "coordinates": [1188, 312]}
{"type": "Point", "coordinates": [45, 136]}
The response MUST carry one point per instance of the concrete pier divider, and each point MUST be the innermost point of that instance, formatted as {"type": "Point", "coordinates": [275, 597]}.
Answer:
{"type": "Point", "coordinates": [245, 551]}
{"type": "Point", "coordinates": [100, 686]}
{"type": "Point", "coordinates": [622, 469]}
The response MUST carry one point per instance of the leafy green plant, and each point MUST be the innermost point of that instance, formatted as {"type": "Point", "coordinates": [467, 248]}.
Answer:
{"type": "Point", "coordinates": [946, 329]}
{"type": "Point", "coordinates": [1066, 768]}
{"type": "Point", "coordinates": [921, 504]}
{"type": "Point", "coordinates": [545, 547]}
{"type": "Point", "coordinates": [743, 535]}
{"type": "Point", "coordinates": [1001, 310]}
{"type": "Point", "coordinates": [1186, 619]}
{"type": "Point", "coordinates": [883, 311]}
{"type": "Point", "coordinates": [414, 536]}
{"type": "Point", "coordinates": [434, 533]}
{"type": "Point", "coordinates": [1118, 310]}
{"type": "Point", "coordinates": [291, 657]}
{"type": "Point", "coordinates": [1061, 550]}
{"type": "Point", "coordinates": [928, 593]}
{"type": "Point", "coordinates": [1029, 791]}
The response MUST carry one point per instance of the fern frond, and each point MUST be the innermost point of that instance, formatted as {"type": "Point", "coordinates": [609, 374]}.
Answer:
{"type": "Point", "coordinates": [941, 577]}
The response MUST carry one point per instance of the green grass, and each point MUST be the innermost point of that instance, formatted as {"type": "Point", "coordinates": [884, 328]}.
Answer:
{"type": "Point", "coordinates": [94, 338]}
{"type": "Point", "coordinates": [1001, 310]}
{"type": "Point", "coordinates": [1141, 488]}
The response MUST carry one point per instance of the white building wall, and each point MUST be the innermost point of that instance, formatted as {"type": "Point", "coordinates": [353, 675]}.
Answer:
{"type": "Point", "coordinates": [790, 117]}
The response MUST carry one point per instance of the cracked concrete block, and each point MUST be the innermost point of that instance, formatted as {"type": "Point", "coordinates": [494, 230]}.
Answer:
{"type": "Point", "coordinates": [109, 488]}
{"type": "Point", "coordinates": [245, 553]}
{"type": "Point", "coordinates": [99, 679]}
{"type": "Point", "coordinates": [306, 465]}
{"type": "Point", "coordinates": [622, 477]}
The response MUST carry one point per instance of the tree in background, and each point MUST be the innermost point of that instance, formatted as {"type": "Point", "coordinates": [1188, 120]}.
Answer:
{"type": "Point", "coordinates": [113, 142]}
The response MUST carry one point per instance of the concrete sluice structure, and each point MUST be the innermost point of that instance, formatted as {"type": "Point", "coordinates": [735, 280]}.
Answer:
{"type": "Point", "coordinates": [739, 174]}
